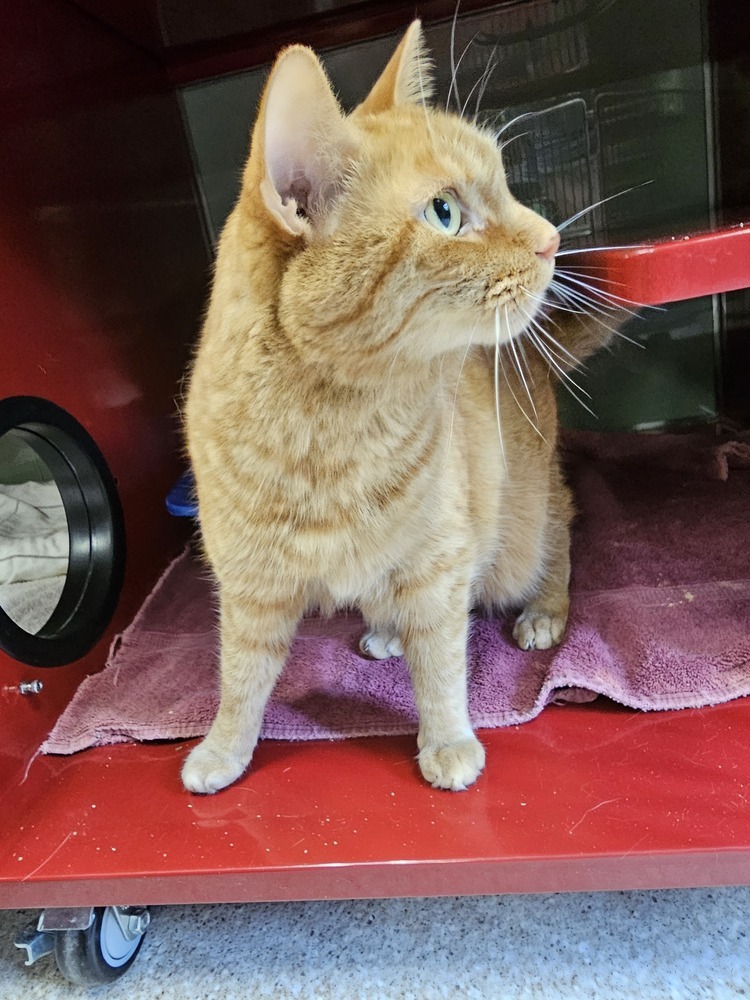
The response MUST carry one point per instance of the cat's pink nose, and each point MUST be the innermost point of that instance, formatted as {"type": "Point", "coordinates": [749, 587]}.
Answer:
{"type": "Point", "coordinates": [550, 248]}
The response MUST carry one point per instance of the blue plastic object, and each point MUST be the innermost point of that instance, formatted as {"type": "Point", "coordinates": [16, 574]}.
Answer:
{"type": "Point", "coordinates": [181, 499]}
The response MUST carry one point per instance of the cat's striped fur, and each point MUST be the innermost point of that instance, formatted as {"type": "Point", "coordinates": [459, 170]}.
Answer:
{"type": "Point", "coordinates": [341, 414]}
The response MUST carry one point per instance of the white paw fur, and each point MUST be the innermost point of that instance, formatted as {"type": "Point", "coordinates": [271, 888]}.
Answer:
{"type": "Point", "coordinates": [381, 645]}
{"type": "Point", "coordinates": [206, 770]}
{"type": "Point", "coordinates": [455, 766]}
{"type": "Point", "coordinates": [538, 630]}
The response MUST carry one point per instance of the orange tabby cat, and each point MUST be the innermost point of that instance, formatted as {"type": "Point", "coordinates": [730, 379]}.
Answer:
{"type": "Point", "coordinates": [342, 418]}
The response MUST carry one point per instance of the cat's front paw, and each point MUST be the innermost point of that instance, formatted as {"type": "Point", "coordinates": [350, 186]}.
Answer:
{"type": "Point", "coordinates": [381, 645]}
{"type": "Point", "coordinates": [539, 630]}
{"type": "Point", "coordinates": [208, 770]}
{"type": "Point", "coordinates": [455, 766]}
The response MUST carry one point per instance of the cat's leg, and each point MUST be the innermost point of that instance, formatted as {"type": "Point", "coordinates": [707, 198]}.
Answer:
{"type": "Point", "coordinates": [432, 617]}
{"type": "Point", "coordinates": [256, 632]}
{"type": "Point", "coordinates": [450, 755]}
{"type": "Point", "coordinates": [542, 622]}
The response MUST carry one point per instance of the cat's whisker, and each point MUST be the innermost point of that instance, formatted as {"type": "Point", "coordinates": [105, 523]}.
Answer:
{"type": "Point", "coordinates": [602, 305]}
{"type": "Point", "coordinates": [515, 398]}
{"type": "Point", "coordinates": [484, 81]}
{"type": "Point", "coordinates": [578, 280]}
{"type": "Point", "coordinates": [541, 299]}
{"type": "Point", "coordinates": [518, 118]}
{"type": "Point", "coordinates": [476, 85]}
{"type": "Point", "coordinates": [510, 387]}
{"type": "Point", "coordinates": [480, 95]}
{"type": "Point", "coordinates": [453, 57]}
{"type": "Point", "coordinates": [589, 307]}
{"type": "Point", "coordinates": [520, 344]}
{"type": "Point", "coordinates": [568, 251]}
{"type": "Point", "coordinates": [566, 302]}
{"type": "Point", "coordinates": [504, 145]}
{"type": "Point", "coordinates": [490, 121]}
{"type": "Point", "coordinates": [497, 386]}
{"type": "Point", "coordinates": [468, 97]}
{"type": "Point", "coordinates": [558, 347]}
{"type": "Point", "coordinates": [544, 301]}
{"type": "Point", "coordinates": [586, 304]}
{"type": "Point", "coordinates": [602, 201]}
{"type": "Point", "coordinates": [586, 270]}
{"type": "Point", "coordinates": [517, 362]}
{"type": "Point", "coordinates": [577, 308]}
{"type": "Point", "coordinates": [565, 378]}
{"type": "Point", "coordinates": [550, 319]}
{"type": "Point", "coordinates": [536, 325]}
{"type": "Point", "coordinates": [599, 305]}
{"type": "Point", "coordinates": [478, 82]}
{"type": "Point", "coordinates": [454, 71]}
{"type": "Point", "coordinates": [561, 351]}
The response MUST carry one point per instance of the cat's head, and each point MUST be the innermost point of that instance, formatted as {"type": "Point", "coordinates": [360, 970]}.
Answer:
{"type": "Point", "coordinates": [395, 223]}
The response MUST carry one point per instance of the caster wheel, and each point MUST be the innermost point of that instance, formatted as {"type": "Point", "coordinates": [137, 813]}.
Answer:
{"type": "Point", "coordinates": [104, 951]}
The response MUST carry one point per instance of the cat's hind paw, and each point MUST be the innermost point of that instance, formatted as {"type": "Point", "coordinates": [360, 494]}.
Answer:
{"type": "Point", "coordinates": [455, 766]}
{"type": "Point", "coordinates": [539, 630]}
{"type": "Point", "coordinates": [207, 770]}
{"type": "Point", "coordinates": [381, 645]}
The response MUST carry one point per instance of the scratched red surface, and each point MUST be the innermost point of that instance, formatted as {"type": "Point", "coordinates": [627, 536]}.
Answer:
{"type": "Point", "coordinates": [583, 797]}
{"type": "Point", "coordinates": [676, 267]}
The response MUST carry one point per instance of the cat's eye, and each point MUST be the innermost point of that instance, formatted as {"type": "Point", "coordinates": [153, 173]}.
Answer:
{"type": "Point", "coordinates": [444, 214]}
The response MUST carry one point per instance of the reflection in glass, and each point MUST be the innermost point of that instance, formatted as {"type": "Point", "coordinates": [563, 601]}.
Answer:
{"type": "Point", "coordinates": [34, 544]}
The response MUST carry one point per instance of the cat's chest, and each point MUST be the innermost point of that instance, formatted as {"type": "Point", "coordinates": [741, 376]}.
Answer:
{"type": "Point", "coordinates": [355, 508]}
{"type": "Point", "coordinates": [343, 455]}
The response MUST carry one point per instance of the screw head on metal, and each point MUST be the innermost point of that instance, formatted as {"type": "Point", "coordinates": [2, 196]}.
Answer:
{"type": "Point", "coordinates": [30, 687]}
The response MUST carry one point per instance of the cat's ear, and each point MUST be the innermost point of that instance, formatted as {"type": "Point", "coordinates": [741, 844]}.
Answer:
{"type": "Point", "coordinates": [301, 143]}
{"type": "Point", "coordinates": [407, 79]}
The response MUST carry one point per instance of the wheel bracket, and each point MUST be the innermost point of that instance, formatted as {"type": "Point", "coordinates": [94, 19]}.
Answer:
{"type": "Point", "coordinates": [66, 918]}
{"type": "Point", "coordinates": [36, 943]}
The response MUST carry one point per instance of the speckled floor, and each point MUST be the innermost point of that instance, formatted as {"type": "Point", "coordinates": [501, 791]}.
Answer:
{"type": "Point", "coordinates": [690, 944]}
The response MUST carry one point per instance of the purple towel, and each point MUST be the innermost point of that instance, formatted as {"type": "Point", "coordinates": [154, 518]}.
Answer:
{"type": "Point", "coordinates": [660, 619]}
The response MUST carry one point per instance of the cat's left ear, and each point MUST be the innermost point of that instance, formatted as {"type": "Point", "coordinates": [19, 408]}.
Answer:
{"type": "Point", "coordinates": [407, 79]}
{"type": "Point", "coordinates": [302, 142]}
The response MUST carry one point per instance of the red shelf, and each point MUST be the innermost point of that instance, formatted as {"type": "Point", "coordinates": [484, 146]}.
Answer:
{"type": "Point", "coordinates": [676, 268]}
{"type": "Point", "coordinates": [582, 798]}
